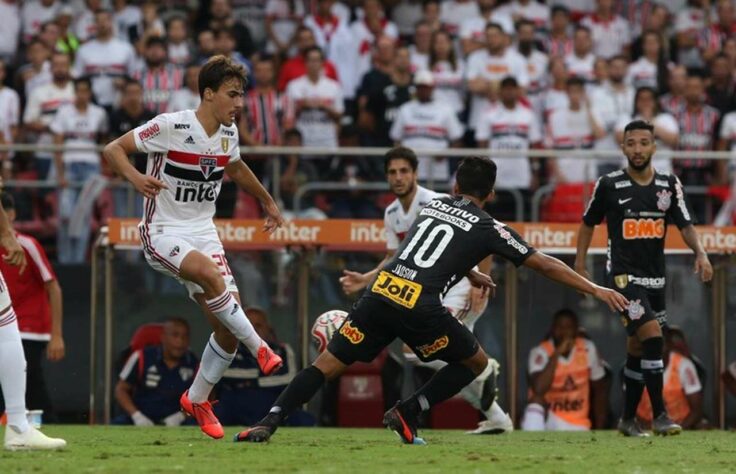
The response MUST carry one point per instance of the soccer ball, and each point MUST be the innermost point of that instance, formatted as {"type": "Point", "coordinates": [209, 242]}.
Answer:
{"type": "Point", "coordinates": [325, 326]}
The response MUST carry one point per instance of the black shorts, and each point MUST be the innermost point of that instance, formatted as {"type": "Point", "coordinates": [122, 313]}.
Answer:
{"type": "Point", "coordinates": [645, 304]}
{"type": "Point", "coordinates": [373, 324]}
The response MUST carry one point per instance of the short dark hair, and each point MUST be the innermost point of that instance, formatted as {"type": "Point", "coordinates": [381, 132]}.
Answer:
{"type": "Point", "coordinates": [177, 320]}
{"type": "Point", "coordinates": [582, 28]}
{"type": "Point", "coordinates": [6, 199]}
{"type": "Point", "coordinates": [293, 133]}
{"type": "Point", "coordinates": [314, 48]}
{"type": "Point", "coordinates": [400, 153]}
{"type": "Point", "coordinates": [524, 22]}
{"type": "Point", "coordinates": [129, 81]}
{"type": "Point", "coordinates": [639, 125]}
{"type": "Point", "coordinates": [218, 70]}
{"type": "Point", "coordinates": [83, 80]}
{"type": "Point", "coordinates": [476, 176]}
{"type": "Point", "coordinates": [493, 24]}
{"type": "Point", "coordinates": [575, 81]}
{"type": "Point", "coordinates": [155, 41]}
{"type": "Point", "coordinates": [557, 9]}
{"type": "Point", "coordinates": [509, 81]}
{"type": "Point", "coordinates": [565, 313]}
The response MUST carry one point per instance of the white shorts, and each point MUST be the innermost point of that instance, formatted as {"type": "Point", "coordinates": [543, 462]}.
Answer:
{"type": "Point", "coordinates": [4, 294]}
{"type": "Point", "coordinates": [457, 300]}
{"type": "Point", "coordinates": [165, 251]}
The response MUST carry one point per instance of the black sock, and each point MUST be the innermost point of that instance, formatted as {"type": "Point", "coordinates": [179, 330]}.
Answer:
{"type": "Point", "coordinates": [448, 381]}
{"type": "Point", "coordinates": [633, 386]}
{"type": "Point", "coordinates": [299, 391]}
{"type": "Point", "coordinates": [652, 369]}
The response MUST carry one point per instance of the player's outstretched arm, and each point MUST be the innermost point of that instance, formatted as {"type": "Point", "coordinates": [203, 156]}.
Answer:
{"type": "Point", "coordinates": [585, 237]}
{"type": "Point", "coordinates": [556, 270]}
{"type": "Point", "coordinates": [352, 282]}
{"type": "Point", "coordinates": [702, 263]}
{"type": "Point", "coordinates": [116, 153]}
{"type": "Point", "coordinates": [247, 181]}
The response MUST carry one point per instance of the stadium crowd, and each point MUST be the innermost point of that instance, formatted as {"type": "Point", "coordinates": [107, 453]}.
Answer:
{"type": "Point", "coordinates": [520, 74]}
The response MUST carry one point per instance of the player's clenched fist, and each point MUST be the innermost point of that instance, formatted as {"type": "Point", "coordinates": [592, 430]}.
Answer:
{"type": "Point", "coordinates": [703, 268]}
{"type": "Point", "coordinates": [615, 300]}
{"type": "Point", "coordinates": [148, 185]}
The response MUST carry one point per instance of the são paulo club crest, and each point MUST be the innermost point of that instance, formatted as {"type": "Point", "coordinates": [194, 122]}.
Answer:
{"type": "Point", "coordinates": [207, 165]}
{"type": "Point", "coordinates": [664, 199]}
{"type": "Point", "coordinates": [636, 310]}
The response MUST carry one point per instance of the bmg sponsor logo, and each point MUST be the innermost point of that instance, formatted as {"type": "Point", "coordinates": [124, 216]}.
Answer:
{"type": "Point", "coordinates": [643, 229]}
{"type": "Point", "coordinates": [400, 291]}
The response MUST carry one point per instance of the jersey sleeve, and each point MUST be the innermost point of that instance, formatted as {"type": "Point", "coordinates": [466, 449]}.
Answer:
{"type": "Point", "coordinates": [689, 377]}
{"type": "Point", "coordinates": [679, 212]}
{"type": "Point", "coordinates": [538, 360]}
{"type": "Point", "coordinates": [392, 240]}
{"type": "Point", "coordinates": [153, 136]}
{"type": "Point", "coordinates": [38, 257]}
{"type": "Point", "coordinates": [596, 210]}
{"type": "Point", "coordinates": [129, 373]}
{"type": "Point", "coordinates": [597, 371]}
{"type": "Point", "coordinates": [507, 243]}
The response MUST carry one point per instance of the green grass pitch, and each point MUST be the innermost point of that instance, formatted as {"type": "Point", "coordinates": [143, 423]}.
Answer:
{"type": "Point", "coordinates": [130, 449]}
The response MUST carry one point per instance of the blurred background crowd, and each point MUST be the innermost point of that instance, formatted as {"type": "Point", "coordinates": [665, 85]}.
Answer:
{"type": "Point", "coordinates": [504, 75]}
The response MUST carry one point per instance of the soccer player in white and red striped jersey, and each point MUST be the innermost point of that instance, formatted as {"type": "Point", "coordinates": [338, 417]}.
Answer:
{"type": "Point", "coordinates": [19, 434]}
{"type": "Point", "coordinates": [37, 302]}
{"type": "Point", "coordinates": [189, 153]}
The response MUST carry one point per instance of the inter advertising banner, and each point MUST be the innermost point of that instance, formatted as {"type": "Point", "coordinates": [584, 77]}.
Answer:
{"type": "Point", "coordinates": [369, 236]}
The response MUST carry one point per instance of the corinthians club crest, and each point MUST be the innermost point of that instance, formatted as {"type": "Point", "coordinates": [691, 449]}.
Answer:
{"type": "Point", "coordinates": [207, 165]}
{"type": "Point", "coordinates": [664, 200]}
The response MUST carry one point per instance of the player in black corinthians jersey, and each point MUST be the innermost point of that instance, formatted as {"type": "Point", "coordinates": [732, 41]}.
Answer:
{"type": "Point", "coordinates": [638, 203]}
{"type": "Point", "coordinates": [450, 236]}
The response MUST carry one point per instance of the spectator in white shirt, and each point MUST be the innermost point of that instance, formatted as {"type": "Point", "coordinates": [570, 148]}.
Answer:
{"type": "Point", "coordinates": [536, 61]}
{"type": "Point", "coordinates": [448, 71]}
{"type": "Point", "coordinates": [283, 17]}
{"type": "Point", "coordinates": [611, 32]}
{"type": "Point", "coordinates": [424, 123]}
{"type": "Point", "coordinates": [611, 101]}
{"type": "Point", "coordinates": [364, 34]}
{"type": "Point", "coordinates": [531, 10]}
{"type": "Point", "coordinates": [180, 49]}
{"type": "Point", "coordinates": [431, 14]}
{"type": "Point", "coordinates": [37, 71]}
{"type": "Point", "coordinates": [419, 50]}
{"type": "Point", "coordinates": [35, 13]}
{"type": "Point", "coordinates": [574, 128]}
{"type": "Point", "coordinates": [128, 20]}
{"type": "Point", "coordinates": [487, 67]}
{"type": "Point", "coordinates": [106, 60]}
{"type": "Point", "coordinates": [666, 129]}
{"type": "Point", "coordinates": [42, 106]}
{"type": "Point", "coordinates": [555, 95]}
{"type": "Point", "coordinates": [187, 98]}
{"type": "Point", "coordinates": [81, 125]}
{"type": "Point", "coordinates": [509, 126]}
{"type": "Point", "coordinates": [473, 30]}
{"type": "Point", "coordinates": [84, 24]}
{"type": "Point", "coordinates": [316, 103]}
{"type": "Point", "coordinates": [454, 12]}
{"type": "Point", "coordinates": [651, 69]}
{"type": "Point", "coordinates": [9, 30]}
{"type": "Point", "coordinates": [581, 60]}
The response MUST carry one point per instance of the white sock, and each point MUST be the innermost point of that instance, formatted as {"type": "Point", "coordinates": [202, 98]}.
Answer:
{"type": "Point", "coordinates": [13, 372]}
{"type": "Point", "coordinates": [229, 312]}
{"type": "Point", "coordinates": [533, 418]}
{"type": "Point", "coordinates": [214, 363]}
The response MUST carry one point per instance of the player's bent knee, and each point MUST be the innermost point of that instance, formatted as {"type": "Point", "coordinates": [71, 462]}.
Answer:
{"type": "Point", "coordinates": [477, 362]}
{"type": "Point", "coordinates": [329, 365]}
{"type": "Point", "coordinates": [648, 330]}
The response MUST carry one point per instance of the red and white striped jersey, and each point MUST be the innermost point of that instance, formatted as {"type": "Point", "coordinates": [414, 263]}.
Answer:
{"type": "Point", "coordinates": [697, 131]}
{"type": "Point", "coordinates": [454, 12]}
{"type": "Point", "coordinates": [158, 84]}
{"type": "Point", "coordinates": [42, 106]}
{"type": "Point", "coordinates": [609, 36]}
{"type": "Point", "coordinates": [265, 113]}
{"type": "Point", "coordinates": [28, 290]}
{"type": "Point", "coordinates": [558, 46]}
{"type": "Point", "coordinates": [569, 130]}
{"type": "Point", "coordinates": [510, 129]}
{"type": "Point", "coordinates": [191, 164]}
{"type": "Point", "coordinates": [449, 84]}
{"type": "Point", "coordinates": [397, 222]}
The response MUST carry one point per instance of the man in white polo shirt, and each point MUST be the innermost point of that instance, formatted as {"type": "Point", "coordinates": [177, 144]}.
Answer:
{"type": "Point", "coordinates": [424, 123]}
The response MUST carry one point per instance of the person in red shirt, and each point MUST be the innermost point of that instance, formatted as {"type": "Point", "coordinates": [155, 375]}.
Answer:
{"type": "Point", "coordinates": [37, 301]}
{"type": "Point", "coordinates": [295, 67]}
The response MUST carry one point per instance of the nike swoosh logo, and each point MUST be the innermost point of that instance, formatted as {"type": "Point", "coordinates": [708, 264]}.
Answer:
{"type": "Point", "coordinates": [624, 201]}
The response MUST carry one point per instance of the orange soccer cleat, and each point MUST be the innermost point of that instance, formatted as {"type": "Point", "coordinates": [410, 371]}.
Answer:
{"type": "Point", "coordinates": [268, 360]}
{"type": "Point", "coordinates": [202, 412]}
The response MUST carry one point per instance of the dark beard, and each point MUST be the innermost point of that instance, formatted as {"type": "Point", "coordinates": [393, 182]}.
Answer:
{"type": "Point", "coordinates": [640, 167]}
{"type": "Point", "coordinates": [408, 191]}
{"type": "Point", "coordinates": [525, 47]}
